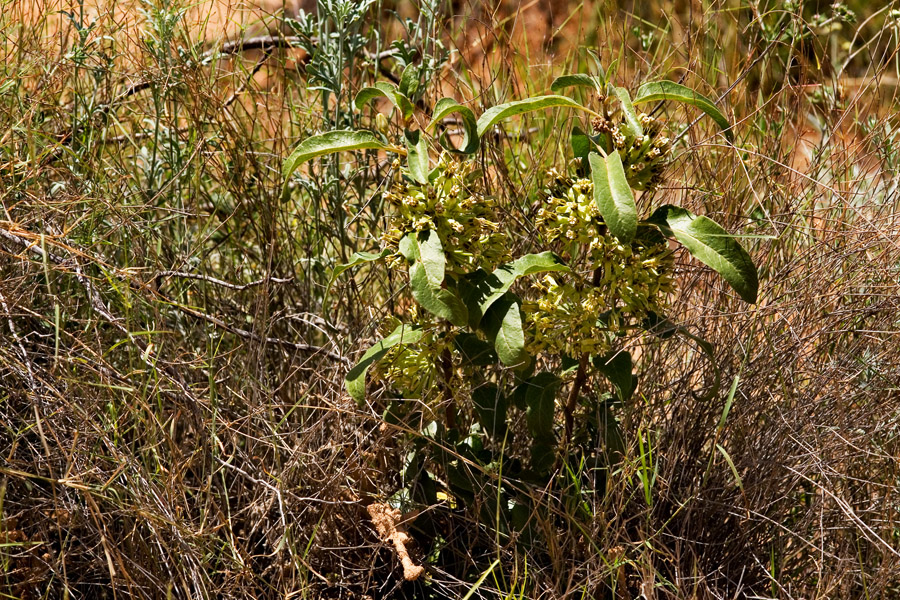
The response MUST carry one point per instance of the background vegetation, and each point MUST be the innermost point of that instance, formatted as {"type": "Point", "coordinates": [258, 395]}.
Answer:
{"type": "Point", "coordinates": [172, 356]}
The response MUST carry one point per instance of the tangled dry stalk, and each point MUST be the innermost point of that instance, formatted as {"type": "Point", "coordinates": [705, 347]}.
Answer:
{"type": "Point", "coordinates": [172, 418]}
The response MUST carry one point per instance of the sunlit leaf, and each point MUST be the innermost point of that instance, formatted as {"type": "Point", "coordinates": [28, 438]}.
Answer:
{"type": "Point", "coordinates": [712, 245]}
{"type": "Point", "coordinates": [446, 107]}
{"type": "Point", "coordinates": [417, 155]}
{"type": "Point", "coordinates": [503, 325]}
{"type": "Point", "coordinates": [613, 195]}
{"type": "Point", "coordinates": [575, 80]}
{"type": "Point", "coordinates": [655, 91]}
{"type": "Point", "coordinates": [425, 247]}
{"type": "Point", "coordinates": [330, 143]}
{"type": "Point", "coordinates": [631, 119]}
{"type": "Point", "coordinates": [440, 302]}
{"type": "Point", "coordinates": [383, 89]}
{"type": "Point", "coordinates": [504, 111]}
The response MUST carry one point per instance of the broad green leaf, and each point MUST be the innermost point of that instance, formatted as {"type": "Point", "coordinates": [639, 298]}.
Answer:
{"type": "Point", "coordinates": [473, 350]}
{"type": "Point", "coordinates": [503, 325]}
{"type": "Point", "coordinates": [631, 118]}
{"type": "Point", "coordinates": [358, 258]}
{"type": "Point", "coordinates": [442, 303]}
{"type": "Point", "coordinates": [504, 111]}
{"type": "Point", "coordinates": [449, 106]}
{"type": "Point", "coordinates": [425, 247]}
{"type": "Point", "coordinates": [356, 378]}
{"type": "Point", "coordinates": [431, 256]}
{"type": "Point", "coordinates": [383, 89]}
{"type": "Point", "coordinates": [490, 406]}
{"type": "Point", "coordinates": [330, 143]}
{"type": "Point", "coordinates": [540, 402]}
{"type": "Point", "coordinates": [483, 289]}
{"type": "Point", "coordinates": [417, 155]}
{"type": "Point", "coordinates": [712, 245]}
{"type": "Point", "coordinates": [616, 367]}
{"type": "Point", "coordinates": [581, 143]}
{"type": "Point", "coordinates": [613, 195]}
{"type": "Point", "coordinates": [575, 80]}
{"type": "Point", "coordinates": [543, 457]}
{"type": "Point", "coordinates": [408, 247]}
{"type": "Point", "coordinates": [655, 91]}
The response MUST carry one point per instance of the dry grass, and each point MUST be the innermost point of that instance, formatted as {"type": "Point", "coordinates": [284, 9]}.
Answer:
{"type": "Point", "coordinates": [173, 418]}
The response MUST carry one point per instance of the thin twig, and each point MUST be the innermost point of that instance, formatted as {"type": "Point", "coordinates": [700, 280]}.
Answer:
{"type": "Point", "coordinates": [219, 282]}
{"type": "Point", "coordinates": [100, 307]}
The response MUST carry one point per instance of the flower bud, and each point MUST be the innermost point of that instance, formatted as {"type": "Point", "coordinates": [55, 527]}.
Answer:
{"type": "Point", "coordinates": [381, 123]}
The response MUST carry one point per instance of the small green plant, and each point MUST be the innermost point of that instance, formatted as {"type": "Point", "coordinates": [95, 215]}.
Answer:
{"type": "Point", "coordinates": [487, 332]}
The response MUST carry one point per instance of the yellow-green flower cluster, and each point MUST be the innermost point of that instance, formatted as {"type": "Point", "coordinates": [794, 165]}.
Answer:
{"type": "Point", "coordinates": [569, 215]}
{"type": "Point", "coordinates": [644, 155]}
{"type": "Point", "coordinates": [412, 369]}
{"type": "Point", "coordinates": [455, 206]}
{"type": "Point", "coordinates": [636, 277]}
{"type": "Point", "coordinates": [564, 318]}
{"type": "Point", "coordinates": [612, 285]}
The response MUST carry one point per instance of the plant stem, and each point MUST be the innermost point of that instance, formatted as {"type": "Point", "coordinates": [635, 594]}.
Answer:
{"type": "Point", "coordinates": [450, 408]}
{"type": "Point", "coordinates": [580, 376]}
{"type": "Point", "coordinates": [572, 403]}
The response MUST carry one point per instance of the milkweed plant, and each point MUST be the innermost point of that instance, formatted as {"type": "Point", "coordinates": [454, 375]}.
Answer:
{"type": "Point", "coordinates": [486, 332]}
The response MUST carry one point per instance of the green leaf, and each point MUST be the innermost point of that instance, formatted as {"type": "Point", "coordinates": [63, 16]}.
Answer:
{"type": "Point", "coordinates": [474, 351]}
{"type": "Point", "coordinates": [409, 81]}
{"type": "Point", "coordinates": [581, 143]}
{"type": "Point", "coordinates": [616, 367]}
{"type": "Point", "coordinates": [482, 289]}
{"type": "Point", "coordinates": [356, 378]}
{"type": "Point", "coordinates": [574, 80]}
{"type": "Point", "coordinates": [383, 89]}
{"type": "Point", "coordinates": [613, 195]}
{"type": "Point", "coordinates": [631, 119]}
{"type": "Point", "coordinates": [330, 143]}
{"type": "Point", "coordinates": [669, 90]}
{"type": "Point", "coordinates": [425, 247]}
{"type": "Point", "coordinates": [712, 245]}
{"type": "Point", "coordinates": [417, 155]}
{"type": "Point", "coordinates": [540, 402]}
{"type": "Point", "coordinates": [543, 457]}
{"type": "Point", "coordinates": [426, 276]}
{"type": "Point", "coordinates": [449, 106]}
{"type": "Point", "coordinates": [431, 256]}
{"type": "Point", "coordinates": [503, 325]}
{"type": "Point", "coordinates": [358, 258]}
{"type": "Point", "coordinates": [490, 406]}
{"type": "Point", "coordinates": [504, 111]}
{"type": "Point", "coordinates": [442, 303]}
